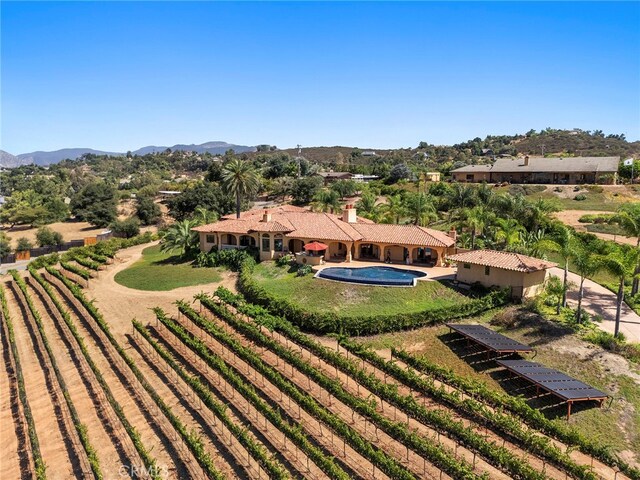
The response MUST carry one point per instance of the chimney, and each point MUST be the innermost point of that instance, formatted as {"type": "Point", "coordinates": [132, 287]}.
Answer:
{"type": "Point", "coordinates": [453, 234]}
{"type": "Point", "coordinates": [266, 215]}
{"type": "Point", "coordinates": [349, 214]}
{"type": "Point", "coordinates": [526, 160]}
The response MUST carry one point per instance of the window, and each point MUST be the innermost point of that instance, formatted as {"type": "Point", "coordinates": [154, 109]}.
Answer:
{"type": "Point", "coordinates": [466, 265]}
{"type": "Point", "coordinates": [211, 239]}
{"type": "Point", "coordinates": [487, 270]}
{"type": "Point", "coordinates": [278, 244]}
{"type": "Point", "coordinates": [266, 243]}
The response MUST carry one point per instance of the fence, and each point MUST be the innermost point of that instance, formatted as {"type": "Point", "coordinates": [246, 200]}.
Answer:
{"type": "Point", "coordinates": [39, 251]}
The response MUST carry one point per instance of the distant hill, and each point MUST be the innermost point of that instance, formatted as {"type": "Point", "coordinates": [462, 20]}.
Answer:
{"type": "Point", "coordinates": [213, 148]}
{"type": "Point", "coordinates": [9, 161]}
{"type": "Point", "coordinates": [48, 158]}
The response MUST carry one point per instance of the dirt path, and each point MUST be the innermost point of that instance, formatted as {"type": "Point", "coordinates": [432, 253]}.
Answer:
{"type": "Point", "coordinates": [120, 304]}
{"type": "Point", "coordinates": [599, 300]}
{"type": "Point", "coordinates": [45, 413]}
{"type": "Point", "coordinates": [570, 217]}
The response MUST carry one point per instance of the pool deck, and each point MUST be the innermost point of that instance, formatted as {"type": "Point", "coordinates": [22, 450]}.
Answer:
{"type": "Point", "coordinates": [433, 273]}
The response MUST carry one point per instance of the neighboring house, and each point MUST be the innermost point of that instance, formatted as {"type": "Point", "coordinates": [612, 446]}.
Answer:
{"type": "Point", "coordinates": [330, 177]}
{"type": "Point", "coordinates": [524, 275]}
{"type": "Point", "coordinates": [360, 178]}
{"type": "Point", "coordinates": [287, 228]}
{"type": "Point", "coordinates": [368, 153]}
{"type": "Point", "coordinates": [553, 170]}
{"type": "Point", "coordinates": [167, 194]}
{"type": "Point", "coordinates": [432, 176]}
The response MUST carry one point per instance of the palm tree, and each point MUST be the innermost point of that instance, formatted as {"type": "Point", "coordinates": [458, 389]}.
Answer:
{"type": "Point", "coordinates": [476, 220]}
{"type": "Point", "coordinates": [394, 209]}
{"type": "Point", "coordinates": [179, 236]}
{"type": "Point", "coordinates": [202, 216]}
{"type": "Point", "coordinates": [509, 231]}
{"type": "Point", "coordinates": [461, 196]}
{"type": "Point", "coordinates": [421, 209]}
{"type": "Point", "coordinates": [621, 263]}
{"type": "Point", "coordinates": [586, 264]}
{"type": "Point", "coordinates": [561, 243]}
{"type": "Point", "coordinates": [326, 201]}
{"type": "Point", "coordinates": [240, 179]}
{"type": "Point", "coordinates": [281, 187]}
{"type": "Point", "coordinates": [628, 217]}
{"type": "Point", "coordinates": [367, 204]}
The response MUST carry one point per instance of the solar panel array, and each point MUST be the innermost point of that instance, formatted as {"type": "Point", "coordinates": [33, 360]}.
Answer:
{"type": "Point", "coordinates": [555, 382]}
{"type": "Point", "coordinates": [489, 339]}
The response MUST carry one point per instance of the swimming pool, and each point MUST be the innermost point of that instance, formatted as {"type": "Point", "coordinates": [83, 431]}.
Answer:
{"type": "Point", "coordinates": [385, 276]}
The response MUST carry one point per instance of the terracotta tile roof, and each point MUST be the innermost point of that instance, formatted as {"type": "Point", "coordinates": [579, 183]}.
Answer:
{"type": "Point", "coordinates": [403, 235]}
{"type": "Point", "coordinates": [503, 260]}
{"type": "Point", "coordinates": [298, 222]}
{"type": "Point", "coordinates": [258, 212]}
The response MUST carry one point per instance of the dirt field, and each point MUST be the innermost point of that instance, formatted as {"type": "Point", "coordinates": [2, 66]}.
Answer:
{"type": "Point", "coordinates": [570, 217]}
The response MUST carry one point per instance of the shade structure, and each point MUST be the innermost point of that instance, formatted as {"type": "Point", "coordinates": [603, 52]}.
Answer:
{"type": "Point", "coordinates": [315, 247]}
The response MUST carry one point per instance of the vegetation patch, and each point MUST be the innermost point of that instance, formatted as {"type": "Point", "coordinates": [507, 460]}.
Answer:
{"type": "Point", "coordinates": [161, 271]}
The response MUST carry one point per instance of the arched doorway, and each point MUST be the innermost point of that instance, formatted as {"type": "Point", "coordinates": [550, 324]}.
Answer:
{"type": "Point", "coordinates": [247, 241]}
{"type": "Point", "coordinates": [296, 246]}
{"type": "Point", "coordinates": [369, 251]}
{"type": "Point", "coordinates": [337, 251]}
{"type": "Point", "coordinates": [395, 254]}
{"type": "Point", "coordinates": [228, 239]}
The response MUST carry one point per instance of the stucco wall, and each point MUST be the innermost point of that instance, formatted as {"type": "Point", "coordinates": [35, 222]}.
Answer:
{"type": "Point", "coordinates": [522, 284]}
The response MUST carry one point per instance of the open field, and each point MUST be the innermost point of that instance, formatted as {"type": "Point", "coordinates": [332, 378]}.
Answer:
{"type": "Point", "coordinates": [601, 198]}
{"type": "Point", "coordinates": [202, 389]}
{"type": "Point", "coordinates": [158, 270]}
{"type": "Point", "coordinates": [323, 295]}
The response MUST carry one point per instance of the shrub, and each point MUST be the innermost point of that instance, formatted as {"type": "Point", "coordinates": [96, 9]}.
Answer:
{"type": "Point", "coordinates": [285, 260]}
{"type": "Point", "coordinates": [304, 270]}
{"type": "Point", "coordinates": [45, 237]}
{"type": "Point", "coordinates": [23, 244]}
{"type": "Point", "coordinates": [595, 188]}
{"type": "Point", "coordinates": [231, 259]}
{"type": "Point", "coordinates": [126, 228]}
{"type": "Point", "coordinates": [580, 197]}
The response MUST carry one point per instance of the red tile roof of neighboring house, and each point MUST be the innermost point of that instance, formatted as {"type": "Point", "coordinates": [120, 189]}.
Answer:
{"type": "Point", "coordinates": [503, 260]}
{"type": "Point", "coordinates": [302, 223]}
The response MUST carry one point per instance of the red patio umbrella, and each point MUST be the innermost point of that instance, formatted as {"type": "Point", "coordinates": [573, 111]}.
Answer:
{"type": "Point", "coordinates": [315, 246]}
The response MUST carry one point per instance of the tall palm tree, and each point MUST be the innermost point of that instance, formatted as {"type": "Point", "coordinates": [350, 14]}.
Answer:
{"type": "Point", "coordinates": [326, 201]}
{"type": "Point", "coordinates": [421, 209]}
{"type": "Point", "coordinates": [586, 264]}
{"type": "Point", "coordinates": [240, 179]}
{"type": "Point", "coordinates": [461, 196]}
{"type": "Point", "coordinates": [628, 217]}
{"type": "Point", "coordinates": [180, 237]}
{"type": "Point", "coordinates": [562, 243]}
{"type": "Point", "coordinates": [367, 203]}
{"type": "Point", "coordinates": [475, 220]}
{"type": "Point", "coordinates": [621, 263]}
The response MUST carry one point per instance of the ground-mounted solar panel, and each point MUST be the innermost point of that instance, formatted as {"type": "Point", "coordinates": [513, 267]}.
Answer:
{"type": "Point", "coordinates": [557, 383]}
{"type": "Point", "coordinates": [492, 341]}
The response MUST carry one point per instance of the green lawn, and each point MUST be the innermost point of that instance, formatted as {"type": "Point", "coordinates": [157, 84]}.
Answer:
{"type": "Point", "coordinates": [323, 295]}
{"type": "Point", "coordinates": [162, 271]}
{"type": "Point", "coordinates": [617, 425]}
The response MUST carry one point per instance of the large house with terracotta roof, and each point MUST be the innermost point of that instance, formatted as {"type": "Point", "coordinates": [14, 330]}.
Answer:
{"type": "Point", "coordinates": [288, 228]}
{"type": "Point", "coordinates": [524, 275]}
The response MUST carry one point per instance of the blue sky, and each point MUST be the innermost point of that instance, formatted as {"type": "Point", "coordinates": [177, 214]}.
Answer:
{"type": "Point", "coordinates": [118, 76]}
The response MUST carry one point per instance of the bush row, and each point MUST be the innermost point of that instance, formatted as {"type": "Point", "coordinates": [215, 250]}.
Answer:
{"type": "Point", "coordinates": [40, 466]}
{"type": "Point", "coordinates": [326, 463]}
{"type": "Point", "coordinates": [255, 448]}
{"type": "Point", "coordinates": [331, 322]}
{"type": "Point", "coordinates": [373, 453]}
{"type": "Point", "coordinates": [149, 462]}
{"type": "Point", "coordinates": [191, 438]}
{"type": "Point", "coordinates": [81, 272]}
{"type": "Point", "coordinates": [80, 428]}
{"type": "Point", "coordinates": [436, 454]}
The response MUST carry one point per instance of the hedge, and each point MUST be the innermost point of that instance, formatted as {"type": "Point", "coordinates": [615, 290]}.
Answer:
{"type": "Point", "coordinates": [330, 322]}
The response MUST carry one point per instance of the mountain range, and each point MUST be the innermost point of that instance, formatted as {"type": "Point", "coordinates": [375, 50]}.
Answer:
{"type": "Point", "coordinates": [8, 160]}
